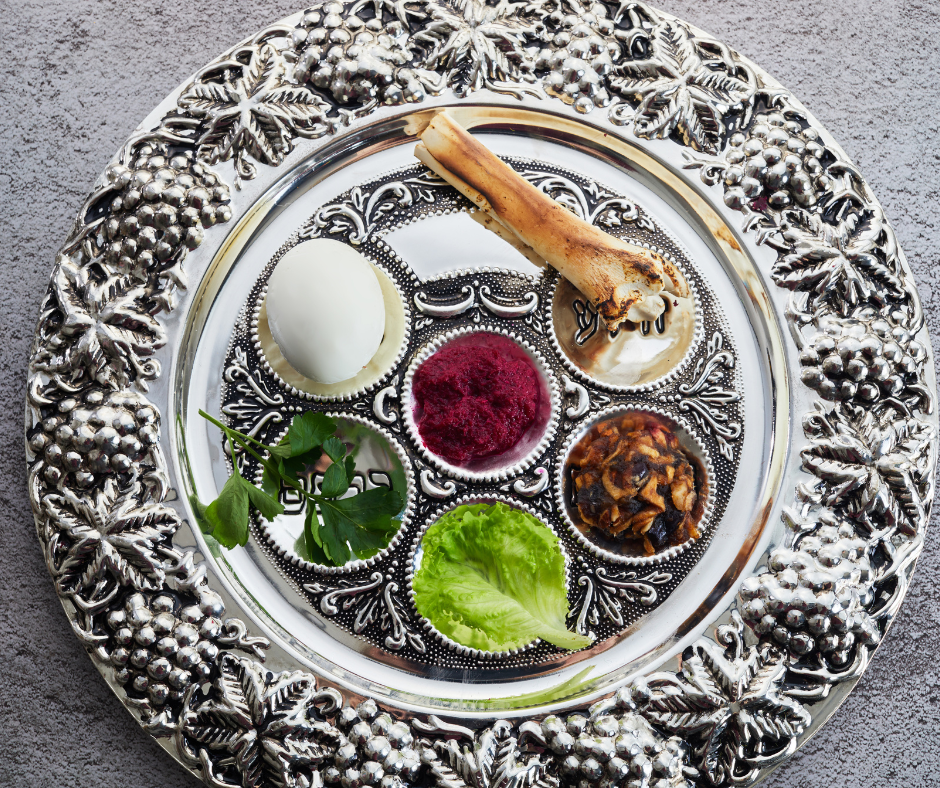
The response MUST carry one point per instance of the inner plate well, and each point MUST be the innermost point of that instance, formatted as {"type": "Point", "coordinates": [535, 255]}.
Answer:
{"type": "Point", "coordinates": [275, 587]}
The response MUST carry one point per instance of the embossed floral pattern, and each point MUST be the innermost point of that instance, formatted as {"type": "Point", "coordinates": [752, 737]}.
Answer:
{"type": "Point", "coordinates": [706, 397]}
{"type": "Point", "coordinates": [255, 114]}
{"type": "Point", "coordinates": [107, 540]}
{"type": "Point", "coordinates": [843, 258]}
{"type": "Point", "coordinates": [104, 334]}
{"type": "Point", "coordinates": [730, 710]}
{"type": "Point", "coordinates": [678, 91]}
{"type": "Point", "coordinates": [265, 723]}
{"type": "Point", "coordinates": [376, 604]}
{"type": "Point", "coordinates": [731, 703]}
{"type": "Point", "coordinates": [477, 44]}
{"type": "Point", "coordinates": [874, 465]}
{"type": "Point", "coordinates": [605, 594]}
{"type": "Point", "coordinates": [491, 760]}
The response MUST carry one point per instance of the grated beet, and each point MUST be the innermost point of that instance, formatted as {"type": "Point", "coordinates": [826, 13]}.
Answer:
{"type": "Point", "coordinates": [475, 398]}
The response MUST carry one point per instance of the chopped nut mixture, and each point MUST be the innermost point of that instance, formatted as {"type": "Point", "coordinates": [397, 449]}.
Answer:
{"type": "Point", "coordinates": [633, 481]}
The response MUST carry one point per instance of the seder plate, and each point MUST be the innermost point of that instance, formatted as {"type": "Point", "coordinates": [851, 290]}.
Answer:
{"type": "Point", "coordinates": [806, 393]}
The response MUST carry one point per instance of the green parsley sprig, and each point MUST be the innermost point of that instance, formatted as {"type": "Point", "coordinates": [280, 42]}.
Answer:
{"type": "Point", "coordinates": [359, 525]}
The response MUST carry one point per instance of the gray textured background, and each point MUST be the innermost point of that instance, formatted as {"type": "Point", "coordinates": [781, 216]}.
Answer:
{"type": "Point", "coordinates": [79, 76]}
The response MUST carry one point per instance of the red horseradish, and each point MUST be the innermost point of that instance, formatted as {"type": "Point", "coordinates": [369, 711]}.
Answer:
{"type": "Point", "coordinates": [476, 397]}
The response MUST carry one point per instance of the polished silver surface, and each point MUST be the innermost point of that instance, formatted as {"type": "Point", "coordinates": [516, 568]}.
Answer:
{"type": "Point", "coordinates": [721, 681]}
{"type": "Point", "coordinates": [519, 305]}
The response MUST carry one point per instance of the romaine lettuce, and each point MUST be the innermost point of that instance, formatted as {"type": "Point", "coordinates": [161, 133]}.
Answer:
{"type": "Point", "coordinates": [493, 578]}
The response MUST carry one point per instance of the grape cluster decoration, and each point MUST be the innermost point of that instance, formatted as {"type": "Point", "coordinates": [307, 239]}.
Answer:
{"type": "Point", "coordinates": [162, 647]}
{"type": "Point", "coordinates": [865, 357]}
{"type": "Point", "coordinates": [376, 749]}
{"type": "Point", "coordinates": [812, 600]}
{"type": "Point", "coordinates": [356, 60]}
{"type": "Point", "coordinates": [616, 749]}
{"type": "Point", "coordinates": [107, 432]}
{"type": "Point", "coordinates": [162, 207]}
{"type": "Point", "coordinates": [777, 160]}
{"type": "Point", "coordinates": [95, 441]}
{"type": "Point", "coordinates": [857, 326]}
{"type": "Point", "coordinates": [581, 52]}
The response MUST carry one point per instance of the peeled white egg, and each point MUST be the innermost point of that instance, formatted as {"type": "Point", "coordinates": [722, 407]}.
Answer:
{"type": "Point", "coordinates": [325, 310]}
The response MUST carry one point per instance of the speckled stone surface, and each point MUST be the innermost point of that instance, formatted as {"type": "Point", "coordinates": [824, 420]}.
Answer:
{"type": "Point", "coordinates": [77, 77]}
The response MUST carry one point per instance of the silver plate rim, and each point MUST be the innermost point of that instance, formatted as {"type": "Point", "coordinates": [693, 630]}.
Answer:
{"type": "Point", "coordinates": [242, 648]}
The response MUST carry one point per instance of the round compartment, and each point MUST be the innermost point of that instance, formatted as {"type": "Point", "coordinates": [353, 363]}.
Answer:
{"type": "Point", "coordinates": [379, 462]}
{"type": "Point", "coordinates": [635, 355]}
{"type": "Point", "coordinates": [390, 351]}
{"type": "Point", "coordinates": [532, 442]}
{"type": "Point", "coordinates": [630, 551]}
{"type": "Point", "coordinates": [414, 564]}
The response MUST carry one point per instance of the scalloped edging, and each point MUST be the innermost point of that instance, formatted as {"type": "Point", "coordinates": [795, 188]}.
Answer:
{"type": "Point", "coordinates": [308, 395]}
{"type": "Point", "coordinates": [453, 645]}
{"type": "Point", "coordinates": [720, 654]}
{"type": "Point", "coordinates": [667, 377]}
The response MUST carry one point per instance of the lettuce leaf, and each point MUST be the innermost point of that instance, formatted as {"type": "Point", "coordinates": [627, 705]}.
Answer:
{"type": "Point", "coordinates": [493, 578]}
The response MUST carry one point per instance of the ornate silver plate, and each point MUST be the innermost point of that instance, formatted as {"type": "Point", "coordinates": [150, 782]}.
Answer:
{"type": "Point", "coordinates": [807, 392]}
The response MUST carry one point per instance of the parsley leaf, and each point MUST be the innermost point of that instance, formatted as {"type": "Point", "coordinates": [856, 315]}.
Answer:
{"type": "Point", "coordinates": [308, 431]}
{"type": "Point", "coordinates": [228, 514]}
{"type": "Point", "coordinates": [335, 449]}
{"type": "Point", "coordinates": [361, 524]}
{"type": "Point", "coordinates": [199, 509]}
{"type": "Point", "coordinates": [313, 550]}
{"type": "Point", "coordinates": [271, 481]}
{"type": "Point", "coordinates": [281, 448]}
{"type": "Point", "coordinates": [364, 521]}
{"type": "Point", "coordinates": [268, 506]}
{"type": "Point", "coordinates": [295, 467]}
{"type": "Point", "coordinates": [334, 482]}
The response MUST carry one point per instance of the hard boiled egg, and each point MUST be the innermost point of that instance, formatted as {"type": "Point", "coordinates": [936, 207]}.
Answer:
{"type": "Point", "coordinates": [325, 310]}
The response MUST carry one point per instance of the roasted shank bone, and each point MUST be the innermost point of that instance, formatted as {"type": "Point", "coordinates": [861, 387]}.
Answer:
{"type": "Point", "coordinates": [623, 281]}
